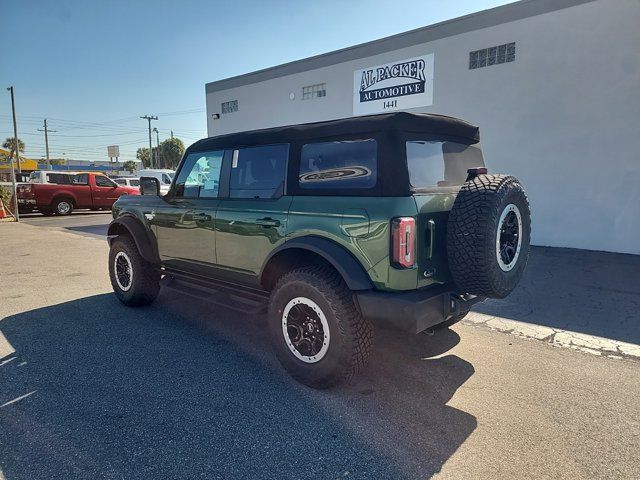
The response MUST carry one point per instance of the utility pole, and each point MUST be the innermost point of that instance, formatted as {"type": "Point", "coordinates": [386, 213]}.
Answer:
{"type": "Point", "coordinates": [17, 154]}
{"type": "Point", "coordinates": [149, 118]}
{"type": "Point", "coordinates": [157, 146]}
{"type": "Point", "coordinates": [46, 141]}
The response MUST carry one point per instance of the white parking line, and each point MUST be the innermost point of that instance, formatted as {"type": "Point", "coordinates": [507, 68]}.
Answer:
{"type": "Point", "coordinates": [555, 336]}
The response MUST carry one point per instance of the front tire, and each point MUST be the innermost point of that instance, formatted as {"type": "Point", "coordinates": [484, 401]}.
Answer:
{"type": "Point", "coordinates": [317, 331]}
{"type": "Point", "coordinates": [134, 280]}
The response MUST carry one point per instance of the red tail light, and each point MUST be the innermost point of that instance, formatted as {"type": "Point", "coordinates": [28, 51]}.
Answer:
{"type": "Point", "coordinates": [403, 237]}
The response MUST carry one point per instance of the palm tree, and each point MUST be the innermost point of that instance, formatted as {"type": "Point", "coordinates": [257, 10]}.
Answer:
{"type": "Point", "coordinates": [10, 144]}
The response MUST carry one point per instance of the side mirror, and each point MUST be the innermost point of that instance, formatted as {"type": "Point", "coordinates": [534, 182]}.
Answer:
{"type": "Point", "coordinates": [149, 186]}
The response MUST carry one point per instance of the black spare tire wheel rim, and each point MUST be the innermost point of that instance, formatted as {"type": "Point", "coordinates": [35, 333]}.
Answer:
{"type": "Point", "coordinates": [509, 237]}
{"type": "Point", "coordinates": [305, 329]}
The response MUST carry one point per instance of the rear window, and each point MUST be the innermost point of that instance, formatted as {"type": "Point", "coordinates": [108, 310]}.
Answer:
{"type": "Point", "coordinates": [435, 165]}
{"type": "Point", "coordinates": [347, 164]}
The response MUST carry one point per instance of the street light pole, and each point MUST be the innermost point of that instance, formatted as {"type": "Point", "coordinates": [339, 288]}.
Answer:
{"type": "Point", "coordinates": [17, 154]}
{"type": "Point", "coordinates": [149, 118]}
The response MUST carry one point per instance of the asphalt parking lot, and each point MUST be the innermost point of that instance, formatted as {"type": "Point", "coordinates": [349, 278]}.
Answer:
{"type": "Point", "coordinates": [181, 389]}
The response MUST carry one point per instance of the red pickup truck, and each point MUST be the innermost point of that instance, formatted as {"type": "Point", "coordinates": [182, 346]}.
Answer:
{"type": "Point", "coordinates": [82, 190]}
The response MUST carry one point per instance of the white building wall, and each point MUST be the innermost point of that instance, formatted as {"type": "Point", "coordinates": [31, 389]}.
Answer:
{"type": "Point", "coordinates": [564, 117]}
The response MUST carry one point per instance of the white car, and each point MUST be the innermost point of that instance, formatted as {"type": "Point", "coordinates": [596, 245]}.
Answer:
{"type": "Point", "coordinates": [164, 177]}
{"type": "Point", "coordinates": [128, 181]}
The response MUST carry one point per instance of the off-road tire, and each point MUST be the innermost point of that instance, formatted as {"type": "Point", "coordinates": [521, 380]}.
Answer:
{"type": "Point", "coordinates": [472, 230]}
{"type": "Point", "coordinates": [351, 335]}
{"type": "Point", "coordinates": [57, 206]}
{"type": "Point", "coordinates": [145, 282]}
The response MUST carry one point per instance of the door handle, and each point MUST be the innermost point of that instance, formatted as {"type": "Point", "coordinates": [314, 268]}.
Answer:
{"type": "Point", "coordinates": [201, 217]}
{"type": "Point", "coordinates": [267, 222]}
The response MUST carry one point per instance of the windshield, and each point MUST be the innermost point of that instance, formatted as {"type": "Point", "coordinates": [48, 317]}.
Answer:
{"type": "Point", "coordinates": [434, 165]}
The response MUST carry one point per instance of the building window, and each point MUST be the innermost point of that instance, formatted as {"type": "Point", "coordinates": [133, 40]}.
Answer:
{"type": "Point", "coordinates": [314, 91]}
{"type": "Point", "coordinates": [492, 56]}
{"type": "Point", "coordinates": [230, 107]}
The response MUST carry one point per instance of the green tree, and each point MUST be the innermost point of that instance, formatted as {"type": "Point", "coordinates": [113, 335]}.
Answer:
{"type": "Point", "coordinates": [171, 151]}
{"type": "Point", "coordinates": [143, 155]}
{"type": "Point", "coordinates": [57, 161]}
{"type": "Point", "coordinates": [129, 165]}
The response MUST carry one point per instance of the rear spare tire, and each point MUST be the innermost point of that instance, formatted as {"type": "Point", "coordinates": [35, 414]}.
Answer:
{"type": "Point", "coordinates": [488, 235]}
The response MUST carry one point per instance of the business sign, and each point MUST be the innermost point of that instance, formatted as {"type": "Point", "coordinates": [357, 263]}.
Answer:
{"type": "Point", "coordinates": [394, 86]}
{"type": "Point", "coordinates": [113, 151]}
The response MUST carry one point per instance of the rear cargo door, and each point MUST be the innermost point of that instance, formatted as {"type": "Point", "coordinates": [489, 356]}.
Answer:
{"type": "Point", "coordinates": [437, 170]}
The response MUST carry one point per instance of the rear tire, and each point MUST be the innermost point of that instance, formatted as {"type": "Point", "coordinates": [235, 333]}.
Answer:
{"type": "Point", "coordinates": [63, 207]}
{"type": "Point", "coordinates": [317, 331]}
{"type": "Point", "coordinates": [134, 280]}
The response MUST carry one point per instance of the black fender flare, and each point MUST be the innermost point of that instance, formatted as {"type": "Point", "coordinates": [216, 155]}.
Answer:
{"type": "Point", "coordinates": [344, 262]}
{"type": "Point", "coordinates": [144, 239]}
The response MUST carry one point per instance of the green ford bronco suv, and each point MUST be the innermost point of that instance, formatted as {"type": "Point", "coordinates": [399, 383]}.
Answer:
{"type": "Point", "coordinates": [331, 227]}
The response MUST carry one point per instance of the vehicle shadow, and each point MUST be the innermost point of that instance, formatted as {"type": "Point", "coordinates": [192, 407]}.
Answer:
{"type": "Point", "coordinates": [183, 389]}
{"type": "Point", "coordinates": [596, 293]}
{"type": "Point", "coordinates": [100, 230]}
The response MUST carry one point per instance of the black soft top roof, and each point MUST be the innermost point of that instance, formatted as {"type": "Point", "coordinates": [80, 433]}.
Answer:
{"type": "Point", "coordinates": [431, 124]}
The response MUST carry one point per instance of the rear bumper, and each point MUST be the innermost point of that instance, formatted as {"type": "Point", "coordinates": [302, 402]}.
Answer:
{"type": "Point", "coordinates": [416, 310]}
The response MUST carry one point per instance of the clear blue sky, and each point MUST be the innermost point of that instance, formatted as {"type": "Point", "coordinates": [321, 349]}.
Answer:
{"type": "Point", "coordinates": [92, 67]}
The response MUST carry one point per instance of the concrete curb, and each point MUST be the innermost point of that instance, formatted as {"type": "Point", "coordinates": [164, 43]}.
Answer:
{"type": "Point", "coordinates": [592, 344]}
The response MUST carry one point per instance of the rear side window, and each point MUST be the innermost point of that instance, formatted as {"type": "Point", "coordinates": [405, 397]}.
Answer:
{"type": "Point", "coordinates": [347, 164]}
{"type": "Point", "coordinates": [434, 165]}
{"type": "Point", "coordinates": [120, 181]}
{"type": "Point", "coordinates": [134, 183]}
{"type": "Point", "coordinates": [59, 178]}
{"type": "Point", "coordinates": [258, 172]}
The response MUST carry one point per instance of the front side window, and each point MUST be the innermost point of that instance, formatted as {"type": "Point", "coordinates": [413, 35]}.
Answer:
{"type": "Point", "coordinates": [434, 164]}
{"type": "Point", "coordinates": [166, 179]}
{"type": "Point", "coordinates": [258, 172]}
{"type": "Point", "coordinates": [347, 164]}
{"type": "Point", "coordinates": [102, 181]}
{"type": "Point", "coordinates": [120, 181]}
{"type": "Point", "coordinates": [200, 175]}
{"type": "Point", "coordinates": [134, 183]}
